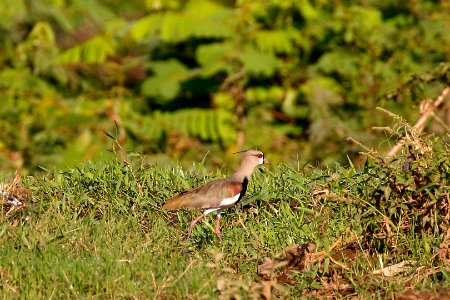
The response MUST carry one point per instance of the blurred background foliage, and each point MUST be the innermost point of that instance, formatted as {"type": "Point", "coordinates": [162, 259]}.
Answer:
{"type": "Point", "coordinates": [174, 79]}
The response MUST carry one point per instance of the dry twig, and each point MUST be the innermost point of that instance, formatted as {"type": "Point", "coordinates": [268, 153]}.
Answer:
{"type": "Point", "coordinates": [427, 110]}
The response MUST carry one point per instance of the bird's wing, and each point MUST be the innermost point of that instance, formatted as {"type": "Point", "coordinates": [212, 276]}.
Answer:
{"type": "Point", "coordinates": [210, 195]}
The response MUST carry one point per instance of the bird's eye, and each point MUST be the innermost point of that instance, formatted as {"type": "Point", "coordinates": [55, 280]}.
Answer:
{"type": "Point", "coordinates": [259, 155]}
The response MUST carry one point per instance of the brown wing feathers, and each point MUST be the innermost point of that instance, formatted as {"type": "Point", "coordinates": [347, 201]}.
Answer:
{"type": "Point", "coordinates": [177, 202]}
{"type": "Point", "coordinates": [206, 196]}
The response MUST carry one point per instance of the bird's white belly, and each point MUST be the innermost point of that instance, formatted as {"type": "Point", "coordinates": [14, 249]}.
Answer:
{"type": "Point", "coordinates": [229, 201]}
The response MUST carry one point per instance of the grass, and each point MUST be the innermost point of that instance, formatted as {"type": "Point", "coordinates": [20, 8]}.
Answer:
{"type": "Point", "coordinates": [98, 231]}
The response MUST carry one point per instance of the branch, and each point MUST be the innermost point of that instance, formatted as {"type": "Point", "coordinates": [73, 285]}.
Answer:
{"type": "Point", "coordinates": [428, 108]}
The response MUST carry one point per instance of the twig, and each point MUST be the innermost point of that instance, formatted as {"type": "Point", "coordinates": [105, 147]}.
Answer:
{"type": "Point", "coordinates": [419, 275]}
{"type": "Point", "coordinates": [318, 256]}
{"type": "Point", "coordinates": [338, 242]}
{"type": "Point", "coordinates": [338, 263]}
{"type": "Point", "coordinates": [428, 110]}
{"type": "Point", "coordinates": [232, 78]}
{"type": "Point", "coordinates": [121, 134]}
{"type": "Point", "coordinates": [191, 263]}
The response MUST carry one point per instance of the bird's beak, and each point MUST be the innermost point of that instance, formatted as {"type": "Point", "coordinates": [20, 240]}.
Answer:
{"type": "Point", "coordinates": [266, 162]}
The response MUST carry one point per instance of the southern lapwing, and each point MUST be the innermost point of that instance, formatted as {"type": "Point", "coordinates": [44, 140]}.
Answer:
{"type": "Point", "coordinates": [218, 194]}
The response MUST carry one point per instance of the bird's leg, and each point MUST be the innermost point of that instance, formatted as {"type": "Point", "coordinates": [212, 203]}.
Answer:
{"type": "Point", "coordinates": [193, 223]}
{"type": "Point", "coordinates": [219, 235]}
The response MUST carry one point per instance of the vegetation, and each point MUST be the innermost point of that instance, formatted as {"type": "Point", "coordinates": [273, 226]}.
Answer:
{"type": "Point", "coordinates": [99, 231]}
{"type": "Point", "coordinates": [178, 78]}
{"type": "Point", "coordinates": [108, 108]}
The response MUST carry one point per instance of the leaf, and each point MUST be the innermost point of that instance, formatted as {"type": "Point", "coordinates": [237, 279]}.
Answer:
{"type": "Point", "coordinates": [226, 128]}
{"type": "Point", "coordinates": [360, 22]}
{"type": "Point", "coordinates": [203, 131]}
{"type": "Point", "coordinates": [42, 33]}
{"type": "Point", "coordinates": [204, 9]}
{"type": "Point", "coordinates": [12, 11]}
{"type": "Point", "coordinates": [211, 126]}
{"type": "Point", "coordinates": [274, 41]}
{"type": "Point", "coordinates": [306, 9]}
{"type": "Point", "coordinates": [200, 19]}
{"type": "Point", "coordinates": [166, 81]}
{"type": "Point", "coordinates": [21, 83]}
{"type": "Point", "coordinates": [177, 27]}
{"type": "Point", "coordinates": [147, 26]}
{"type": "Point", "coordinates": [319, 87]}
{"type": "Point", "coordinates": [259, 63]}
{"type": "Point", "coordinates": [340, 61]}
{"type": "Point", "coordinates": [212, 58]}
{"type": "Point", "coordinates": [97, 50]}
{"type": "Point", "coordinates": [206, 124]}
{"type": "Point", "coordinates": [93, 51]}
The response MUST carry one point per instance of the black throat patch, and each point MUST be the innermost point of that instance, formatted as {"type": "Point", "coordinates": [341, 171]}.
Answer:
{"type": "Point", "coordinates": [244, 189]}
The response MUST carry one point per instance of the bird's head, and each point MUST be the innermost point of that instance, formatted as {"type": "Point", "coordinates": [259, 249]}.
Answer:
{"type": "Point", "coordinates": [253, 157]}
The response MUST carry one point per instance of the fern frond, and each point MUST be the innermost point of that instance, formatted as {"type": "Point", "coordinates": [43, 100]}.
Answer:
{"type": "Point", "coordinates": [200, 18]}
{"type": "Point", "coordinates": [147, 26]}
{"type": "Point", "coordinates": [206, 124]}
{"type": "Point", "coordinates": [93, 51]}
{"type": "Point", "coordinates": [274, 41]}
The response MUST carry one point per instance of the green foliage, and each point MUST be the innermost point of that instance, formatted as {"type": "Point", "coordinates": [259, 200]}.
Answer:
{"type": "Point", "coordinates": [410, 192]}
{"type": "Point", "coordinates": [165, 84]}
{"type": "Point", "coordinates": [63, 136]}
{"type": "Point", "coordinates": [286, 76]}
{"type": "Point", "coordinates": [208, 125]}
{"type": "Point", "coordinates": [251, 60]}
{"type": "Point", "coordinates": [146, 26]}
{"type": "Point", "coordinates": [213, 58]}
{"type": "Point", "coordinates": [11, 11]}
{"type": "Point", "coordinates": [199, 19]}
{"type": "Point", "coordinates": [93, 51]}
{"type": "Point", "coordinates": [275, 41]}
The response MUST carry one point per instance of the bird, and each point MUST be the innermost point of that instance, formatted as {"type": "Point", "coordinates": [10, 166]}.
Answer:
{"type": "Point", "coordinates": [218, 194]}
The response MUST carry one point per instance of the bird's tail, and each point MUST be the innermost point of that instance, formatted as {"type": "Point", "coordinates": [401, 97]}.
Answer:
{"type": "Point", "coordinates": [176, 202]}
